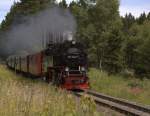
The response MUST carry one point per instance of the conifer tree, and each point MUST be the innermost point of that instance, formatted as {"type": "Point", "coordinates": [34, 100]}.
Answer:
{"type": "Point", "coordinates": [63, 4]}
{"type": "Point", "coordinates": [148, 16]}
{"type": "Point", "coordinates": [128, 21]}
{"type": "Point", "coordinates": [142, 18]}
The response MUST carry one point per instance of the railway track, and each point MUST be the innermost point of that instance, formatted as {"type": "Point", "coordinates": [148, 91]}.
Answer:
{"type": "Point", "coordinates": [120, 105]}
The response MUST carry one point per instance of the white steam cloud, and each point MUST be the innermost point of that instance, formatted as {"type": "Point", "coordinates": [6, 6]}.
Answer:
{"type": "Point", "coordinates": [32, 35]}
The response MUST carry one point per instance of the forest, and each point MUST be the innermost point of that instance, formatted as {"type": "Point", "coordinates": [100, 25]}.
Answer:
{"type": "Point", "coordinates": [115, 44]}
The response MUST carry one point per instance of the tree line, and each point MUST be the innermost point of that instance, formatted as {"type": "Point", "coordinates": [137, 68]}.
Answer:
{"type": "Point", "coordinates": [113, 43]}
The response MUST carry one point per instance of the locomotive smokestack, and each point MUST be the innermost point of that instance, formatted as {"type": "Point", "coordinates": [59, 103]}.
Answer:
{"type": "Point", "coordinates": [68, 35]}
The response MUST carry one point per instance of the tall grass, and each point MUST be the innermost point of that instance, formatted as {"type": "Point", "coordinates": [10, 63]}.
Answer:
{"type": "Point", "coordinates": [25, 97]}
{"type": "Point", "coordinates": [127, 88]}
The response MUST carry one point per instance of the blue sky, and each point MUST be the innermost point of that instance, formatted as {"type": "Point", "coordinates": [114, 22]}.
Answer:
{"type": "Point", "coordinates": [134, 6]}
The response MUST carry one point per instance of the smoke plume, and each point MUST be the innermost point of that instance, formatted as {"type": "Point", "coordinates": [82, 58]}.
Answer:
{"type": "Point", "coordinates": [36, 31]}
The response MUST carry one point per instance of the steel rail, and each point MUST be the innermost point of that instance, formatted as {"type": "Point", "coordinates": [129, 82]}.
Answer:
{"type": "Point", "coordinates": [120, 105]}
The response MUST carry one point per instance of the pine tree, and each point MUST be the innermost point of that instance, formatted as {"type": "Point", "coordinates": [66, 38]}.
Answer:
{"type": "Point", "coordinates": [128, 21]}
{"type": "Point", "coordinates": [63, 4]}
{"type": "Point", "coordinates": [142, 18]}
{"type": "Point", "coordinates": [148, 16]}
{"type": "Point", "coordinates": [108, 37]}
{"type": "Point", "coordinates": [142, 61]}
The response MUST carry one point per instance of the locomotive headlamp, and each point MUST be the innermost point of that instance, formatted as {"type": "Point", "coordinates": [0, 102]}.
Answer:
{"type": "Point", "coordinates": [73, 42]}
{"type": "Point", "coordinates": [83, 69]}
{"type": "Point", "coordinates": [67, 69]}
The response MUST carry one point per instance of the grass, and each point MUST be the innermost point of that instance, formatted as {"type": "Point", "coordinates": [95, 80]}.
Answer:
{"type": "Point", "coordinates": [131, 88]}
{"type": "Point", "coordinates": [25, 97]}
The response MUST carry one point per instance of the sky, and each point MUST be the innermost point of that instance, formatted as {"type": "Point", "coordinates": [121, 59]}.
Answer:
{"type": "Point", "coordinates": [136, 7]}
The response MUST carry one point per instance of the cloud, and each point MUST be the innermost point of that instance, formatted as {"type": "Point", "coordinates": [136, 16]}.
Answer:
{"type": "Point", "coordinates": [6, 4]}
{"type": "Point", "coordinates": [135, 10]}
{"type": "Point", "coordinates": [2, 14]}
{"type": "Point", "coordinates": [1, 19]}
{"type": "Point", "coordinates": [136, 7]}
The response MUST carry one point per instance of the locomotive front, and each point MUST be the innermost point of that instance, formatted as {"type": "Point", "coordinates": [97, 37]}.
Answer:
{"type": "Point", "coordinates": [74, 61]}
{"type": "Point", "coordinates": [67, 65]}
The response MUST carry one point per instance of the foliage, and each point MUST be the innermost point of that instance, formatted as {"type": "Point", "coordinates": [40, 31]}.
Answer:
{"type": "Point", "coordinates": [21, 96]}
{"type": "Point", "coordinates": [130, 88]}
{"type": "Point", "coordinates": [113, 43]}
{"type": "Point", "coordinates": [101, 36]}
{"type": "Point", "coordinates": [21, 9]}
{"type": "Point", "coordinates": [142, 51]}
{"type": "Point", "coordinates": [136, 47]}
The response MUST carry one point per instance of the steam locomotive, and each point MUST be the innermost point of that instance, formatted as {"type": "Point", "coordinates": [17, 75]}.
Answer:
{"type": "Point", "coordinates": [62, 64]}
